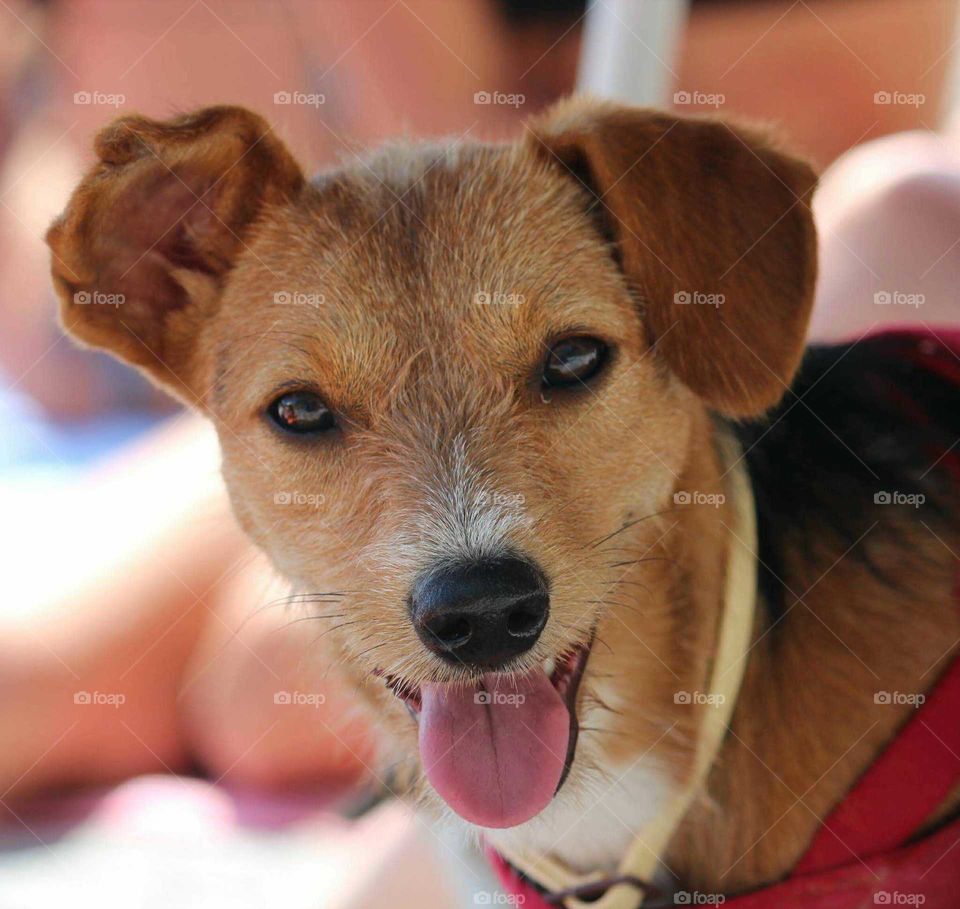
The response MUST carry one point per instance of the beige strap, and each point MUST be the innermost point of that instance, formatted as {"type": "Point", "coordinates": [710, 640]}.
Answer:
{"type": "Point", "coordinates": [733, 642]}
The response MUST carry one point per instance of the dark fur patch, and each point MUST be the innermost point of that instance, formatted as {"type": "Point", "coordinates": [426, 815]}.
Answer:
{"type": "Point", "coordinates": [861, 420]}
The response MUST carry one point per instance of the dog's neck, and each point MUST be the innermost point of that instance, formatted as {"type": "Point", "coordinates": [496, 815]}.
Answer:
{"type": "Point", "coordinates": [626, 794]}
{"type": "Point", "coordinates": [805, 725]}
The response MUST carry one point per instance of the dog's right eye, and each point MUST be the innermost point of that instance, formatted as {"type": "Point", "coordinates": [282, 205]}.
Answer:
{"type": "Point", "coordinates": [301, 412]}
{"type": "Point", "coordinates": [572, 362]}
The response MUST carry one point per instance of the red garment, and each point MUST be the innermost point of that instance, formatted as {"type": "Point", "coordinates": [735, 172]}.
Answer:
{"type": "Point", "coordinates": [896, 795]}
{"type": "Point", "coordinates": [867, 853]}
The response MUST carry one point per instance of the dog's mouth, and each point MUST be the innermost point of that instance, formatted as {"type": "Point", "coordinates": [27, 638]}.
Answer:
{"type": "Point", "coordinates": [497, 750]}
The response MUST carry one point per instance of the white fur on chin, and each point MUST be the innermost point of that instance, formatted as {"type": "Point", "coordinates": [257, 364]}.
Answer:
{"type": "Point", "coordinates": [595, 816]}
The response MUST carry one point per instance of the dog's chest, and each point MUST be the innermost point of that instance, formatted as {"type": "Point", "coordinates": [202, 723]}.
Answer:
{"type": "Point", "coordinates": [593, 828]}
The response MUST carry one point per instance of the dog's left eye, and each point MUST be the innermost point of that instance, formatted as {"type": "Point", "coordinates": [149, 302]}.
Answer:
{"type": "Point", "coordinates": [301, 412]}
{"type": "Point", "coordinates": [573, 361]}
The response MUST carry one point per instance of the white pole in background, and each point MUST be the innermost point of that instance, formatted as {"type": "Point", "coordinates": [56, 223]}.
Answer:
{"type": "Point", "coordinates": [629, 50]}
{"type": "Point", "coordinates": [951, 101]}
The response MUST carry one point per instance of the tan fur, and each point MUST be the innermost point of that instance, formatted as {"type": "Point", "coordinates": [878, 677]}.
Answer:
{"type": "Point", "coordinates": [701, 207]}
{"type": "Point", "coordinates": [440, 408]}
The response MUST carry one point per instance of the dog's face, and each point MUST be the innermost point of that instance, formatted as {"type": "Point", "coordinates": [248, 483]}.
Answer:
{"type": "Point", "coordinates": [455, 394]}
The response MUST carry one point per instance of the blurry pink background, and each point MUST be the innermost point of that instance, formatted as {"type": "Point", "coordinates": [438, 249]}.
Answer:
{"type": "Point", "coordinates": [125, 573]}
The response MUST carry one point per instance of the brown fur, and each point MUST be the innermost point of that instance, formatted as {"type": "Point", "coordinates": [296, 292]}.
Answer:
{"type": "Point", "coordinates": [438, 398]}
{"type": "Point", "coordinates": [160, 220]}
{"type": "Point", "coordinates": [668, 186]}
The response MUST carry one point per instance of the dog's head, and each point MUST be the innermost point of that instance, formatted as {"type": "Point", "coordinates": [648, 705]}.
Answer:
{"type": "Point", "coordinates": [458, 388]}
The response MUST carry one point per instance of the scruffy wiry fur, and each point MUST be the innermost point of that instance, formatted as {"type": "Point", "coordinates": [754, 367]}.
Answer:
{"type": "Point", "coordinates": [417, 290]}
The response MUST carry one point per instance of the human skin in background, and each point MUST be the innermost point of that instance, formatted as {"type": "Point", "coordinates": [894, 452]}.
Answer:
{"type": "Point", "coordinates": [388, 69]}
{"type": "Point", "coordinates": [144, 588]}
{"type": "Point", "coordinates": [154, 593]}
{"type": "Point", "coordinates": [889, 217]}
{"type": "Point", "coordinates": [181, 616]}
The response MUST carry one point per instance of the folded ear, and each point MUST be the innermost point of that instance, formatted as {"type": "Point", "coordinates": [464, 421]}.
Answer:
{"type": "Point", "coordinates": [712, 228]}
{"type": "Point", "coordinates": [141, 252]}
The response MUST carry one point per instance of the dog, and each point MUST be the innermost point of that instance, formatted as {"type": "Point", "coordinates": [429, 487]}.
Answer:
{"type": "Point", "coordinates": [519, 378]}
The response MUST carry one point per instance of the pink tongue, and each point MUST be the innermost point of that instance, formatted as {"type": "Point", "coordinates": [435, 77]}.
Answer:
{"type": "Point", "coordinates": [495, 753]}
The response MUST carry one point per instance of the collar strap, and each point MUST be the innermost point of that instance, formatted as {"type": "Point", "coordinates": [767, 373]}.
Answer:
{"type": "Point", "coordinates": [592, 892]}
{"type": "Point", "coordinates": [627, 888]}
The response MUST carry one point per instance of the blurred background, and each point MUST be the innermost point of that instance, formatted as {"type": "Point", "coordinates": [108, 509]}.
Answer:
{"type": "Point", "coordinates": [147, 754]}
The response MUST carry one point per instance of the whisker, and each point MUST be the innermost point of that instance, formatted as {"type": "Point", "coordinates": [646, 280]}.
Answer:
{"type": "Point", "coordinates": [363, 653]}
{"type": "Point", "coordinates": [628, 525]}
{"type": "Point", "coordinates": [295, 599]}
{"type": "Point", "coordinates": [616, 603]}
{"type": "Point", "coordinates": [598, 640]}
{"type": "Point", "coordinates": [310, 597]}
{"type": "Point", "coordinates": [309, 618]}
{"type": "Point", "coordinates": [639, 561]}
{"type": "Point", "coordinates": [256, 612]}
{"type": "Point", "coordinates": [334, 628]}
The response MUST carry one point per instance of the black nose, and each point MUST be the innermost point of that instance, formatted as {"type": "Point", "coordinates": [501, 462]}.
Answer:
{"type": "Point", "coordinates": [481, 613]}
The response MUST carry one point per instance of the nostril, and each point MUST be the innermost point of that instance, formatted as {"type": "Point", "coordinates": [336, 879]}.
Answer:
{"type": "Point", "coordinates": [527, 618]}
{"type": "Point", "coordinates": [451, 630]}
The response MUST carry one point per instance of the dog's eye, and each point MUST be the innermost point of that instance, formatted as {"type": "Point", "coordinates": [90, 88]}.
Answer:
{"type": "Point", "coordinates": [573, 361]}
{"type": "Point", "coordinates": [301, 412]}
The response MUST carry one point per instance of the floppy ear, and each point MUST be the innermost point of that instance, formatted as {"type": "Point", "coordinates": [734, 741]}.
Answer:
{"type": "Point", "coordinates": [141, 252]}
{"type": "Point", "coordinates": [713, 231]}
